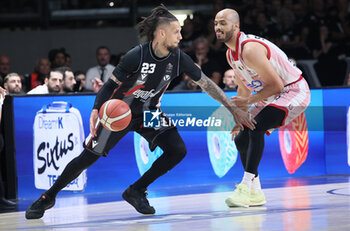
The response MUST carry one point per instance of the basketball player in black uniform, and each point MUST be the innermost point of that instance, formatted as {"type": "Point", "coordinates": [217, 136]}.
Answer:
{"type": "Point", "coordinates": [140, 80]}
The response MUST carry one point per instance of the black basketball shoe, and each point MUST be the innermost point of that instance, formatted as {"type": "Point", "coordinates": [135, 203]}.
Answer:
{"type": "Point", "coordinates": [138, 200]}
{"type": "Point", "coordinates": [37, 209]}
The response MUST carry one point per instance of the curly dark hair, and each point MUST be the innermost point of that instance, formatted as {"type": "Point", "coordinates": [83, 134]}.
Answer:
{"type": "Point", "coordinates": [159, 15]}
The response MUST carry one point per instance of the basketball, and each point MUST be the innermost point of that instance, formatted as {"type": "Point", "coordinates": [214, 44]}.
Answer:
{"type": "Point", "coordinates": [115, 115]}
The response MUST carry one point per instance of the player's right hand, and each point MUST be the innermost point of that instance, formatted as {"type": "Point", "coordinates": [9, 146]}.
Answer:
{"type": "Point", "coordinates": [93, 121]}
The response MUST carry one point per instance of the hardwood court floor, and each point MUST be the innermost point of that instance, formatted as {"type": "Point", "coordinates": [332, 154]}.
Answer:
{"type": "Point", "coordinates": [324, 205]}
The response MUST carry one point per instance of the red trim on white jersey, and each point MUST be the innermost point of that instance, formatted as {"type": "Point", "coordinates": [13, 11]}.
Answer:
{"type": "Point", "coordinates": [265, 45]}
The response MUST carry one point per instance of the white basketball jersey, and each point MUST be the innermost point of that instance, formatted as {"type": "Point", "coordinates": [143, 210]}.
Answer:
{"type": "Point", "coordinates": [288, 72]}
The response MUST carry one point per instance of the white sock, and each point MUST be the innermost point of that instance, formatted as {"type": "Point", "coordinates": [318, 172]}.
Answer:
{"type": "Point", "coordinates": [248, 179]}
{"type": "Point", "coordinates": [256, 186]}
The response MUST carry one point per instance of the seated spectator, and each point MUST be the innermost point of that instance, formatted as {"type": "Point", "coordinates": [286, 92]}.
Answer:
{"type": "Point", "coordinates": [68, 80]}
{"type": "Point", "coordinates": [41, 71]}
{"type": "Point", "coordinates": [13, 84]}
{"type": "Point", "coordinates": [209, 66]}
{"type": "Point", "coordinates": [4, 67]}
{"type": "Point", "coordinates": [229, 80]}
{"type": "Point", "coordinates": [53, 83]}
{"type": "Point", "coordinates": [103, 70]}
{"type": "Point", "coordinates": [80, 79]}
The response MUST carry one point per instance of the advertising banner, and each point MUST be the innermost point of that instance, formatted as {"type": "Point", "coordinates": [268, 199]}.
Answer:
{"type": "Point", "coordinates": [58, 137]}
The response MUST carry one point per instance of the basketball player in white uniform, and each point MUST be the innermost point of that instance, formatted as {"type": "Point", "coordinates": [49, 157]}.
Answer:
{"type": "Point", "coordinates": [269, 86]}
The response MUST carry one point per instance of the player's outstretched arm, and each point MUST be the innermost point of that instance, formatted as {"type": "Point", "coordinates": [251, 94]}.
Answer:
{"type": "Point", "coordinates": [219, 95]}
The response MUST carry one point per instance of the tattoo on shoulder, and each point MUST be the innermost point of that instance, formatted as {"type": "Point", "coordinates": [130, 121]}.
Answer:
{"type": "Point", "coordinates": [115, 80]}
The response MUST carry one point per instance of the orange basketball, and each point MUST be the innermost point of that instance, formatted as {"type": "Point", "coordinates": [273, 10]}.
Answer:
{"type": "Point", "coordinates": [115, 115]}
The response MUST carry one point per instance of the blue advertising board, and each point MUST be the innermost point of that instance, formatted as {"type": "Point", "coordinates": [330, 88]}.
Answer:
{"type": "Point", "coordinates": [211, 155]}
{"type": "Point", "coordinates": [337, 130]}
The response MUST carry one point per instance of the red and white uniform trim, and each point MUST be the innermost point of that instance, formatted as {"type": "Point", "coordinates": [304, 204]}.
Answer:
{"type": "Point", "coordinates": [294, 98]}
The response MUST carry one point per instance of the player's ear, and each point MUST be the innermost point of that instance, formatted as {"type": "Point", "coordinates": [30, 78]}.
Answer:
{"type": "Point", "coordinates": [161, 32]}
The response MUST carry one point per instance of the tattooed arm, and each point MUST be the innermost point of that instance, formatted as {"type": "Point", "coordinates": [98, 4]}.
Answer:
{"type": "Point", "coordinates": [219, 95]}
{"type": "Point", "coordinates": [215, 92]}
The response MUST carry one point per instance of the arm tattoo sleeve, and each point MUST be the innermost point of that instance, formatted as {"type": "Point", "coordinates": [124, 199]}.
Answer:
{"type": "Point", "coordinates": [215, 92]}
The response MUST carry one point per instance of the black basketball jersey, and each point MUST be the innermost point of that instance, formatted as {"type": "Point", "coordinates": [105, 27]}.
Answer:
{"type": "Point", "coordinates": [145, 77]}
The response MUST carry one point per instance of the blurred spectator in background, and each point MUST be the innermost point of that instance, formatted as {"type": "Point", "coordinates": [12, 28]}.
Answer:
{"type": "Point", "coordinates": [68, 80]}
{"type": "Point", "coordinates": [265, 29]}
{"type": "Point", "coordinates": [229, 80]}
{"type": "Point", "coordinates": [273, 11]}
{"type": "Point", "coordinates": [330, 67]}
{"type": "Point", "coordinates": [103, 70]}
{"type": "Point", "coordinates": [198, 26]}
{"type": "Point", "coordinates": [4, 67]}
{"type": "Point", "coordinates": [53, 83]}
{"type": "Point", "coordinates": [115, 59]}
{"type": "Point", "coordinates": [188, 36]}
{"type": "Point", "coordinates": [41, 71]}
{"type": "Point", "coordinates": [13, 84]}
{"type": "Point", "coordinates": [57, 57]}
{"type": "Point", "coordinates": [68, 60]}
{"type": "Point", "coordinates": [214, 44]}
{"type": "Point", "coordinates": [186, 83]}
{"type": "Point", "coordinates": [80, 79]}
{"type": "Point", "coordinates": [208, 65]}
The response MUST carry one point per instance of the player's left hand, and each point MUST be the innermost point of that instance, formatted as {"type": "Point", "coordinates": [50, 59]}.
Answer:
{"type": "Point", "coordinates": [243, 118]}
{"type": "Point", "coordinates": [235, 130]}
{"type": "Point", "coordinates": [240, 101]}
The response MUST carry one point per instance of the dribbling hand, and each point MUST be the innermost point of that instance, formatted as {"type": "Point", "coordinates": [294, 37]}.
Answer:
{"type": "Point", "coordinates": [93, 121]}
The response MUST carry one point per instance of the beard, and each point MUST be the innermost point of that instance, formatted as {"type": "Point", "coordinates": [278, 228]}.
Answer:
{"type": "Point", "coordinates": [172, 48]}
{"type": "Point", "coordinates": [228, 36]}
{"type": "Point", "coordinates": [54, 90]}
{"type": "Point", "coordinates": [16, 90]}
